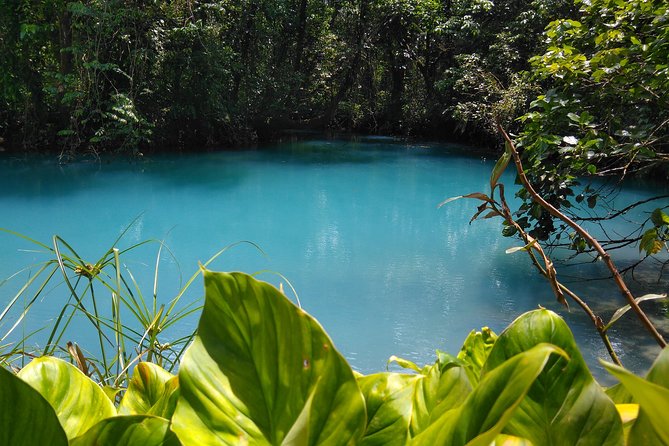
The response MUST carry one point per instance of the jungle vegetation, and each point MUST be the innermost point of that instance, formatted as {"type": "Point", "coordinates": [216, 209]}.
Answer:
{"type": "Point", "coordinates": [122, 75]}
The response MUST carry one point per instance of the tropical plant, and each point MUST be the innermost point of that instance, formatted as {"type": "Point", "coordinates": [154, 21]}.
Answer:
{"type": "Point", "coordinates": [603, 112]}
{"type": "Point", "coordinates": [262, 371]}
{"type": "Point", "coordinates": [121, 331]}
{"type": "Point", "coordinates": [494, 204]}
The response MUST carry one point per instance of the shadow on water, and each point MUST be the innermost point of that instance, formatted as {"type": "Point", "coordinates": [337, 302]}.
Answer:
{"type": "Point", "coordinates": [48, 178]}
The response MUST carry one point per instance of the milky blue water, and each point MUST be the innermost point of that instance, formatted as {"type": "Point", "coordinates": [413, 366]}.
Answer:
{"type": "Point", "coordinates": [353, 225]}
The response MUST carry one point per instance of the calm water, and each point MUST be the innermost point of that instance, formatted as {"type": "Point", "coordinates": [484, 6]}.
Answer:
{"type": "Point", "coordinates": [353, 225]}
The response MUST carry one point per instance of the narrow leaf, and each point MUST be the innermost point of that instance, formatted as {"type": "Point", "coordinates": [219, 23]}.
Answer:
{"type": "Point", "coordinates": [499, 168]}
{"type": "Point", "coordinates": [622, 310]}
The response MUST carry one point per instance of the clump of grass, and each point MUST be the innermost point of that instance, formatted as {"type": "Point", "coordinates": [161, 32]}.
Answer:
{"type": "Point", "coordinates": [128, 328]}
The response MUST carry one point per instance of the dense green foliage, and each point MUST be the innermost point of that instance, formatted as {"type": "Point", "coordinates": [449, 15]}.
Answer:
{"type": "Point", "coordinates": [100, 75]}
{"type": "Point", "coordinates": [605, 109]}
{"type": "Point", "coordinates": [262, 371]}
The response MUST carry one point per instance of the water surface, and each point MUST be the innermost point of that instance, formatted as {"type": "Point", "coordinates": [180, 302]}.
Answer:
{"type": "Point", "coordinates": [353, 225]}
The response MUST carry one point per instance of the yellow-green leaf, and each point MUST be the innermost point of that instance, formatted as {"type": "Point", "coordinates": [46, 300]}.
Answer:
{"type": "Point", "coordinates": [565, 405]}
{"type": "Point", "coordinates": [151, 391]}
{"type": "Point", "coordinates": [262, 371]}
{"type": "Point", "coordinates": [77, 400]}
{"type": "Point", "coordinates": [129, 430]}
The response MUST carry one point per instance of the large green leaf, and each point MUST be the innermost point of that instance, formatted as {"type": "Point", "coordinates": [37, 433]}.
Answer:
{"type": "Point", "coordinates": [389, 399]}
{"type": "Point", "coordinates": [485, 412]}
{"type": "Point", "coordinates": [129, 430]}
{"type": "Point", "coordinates": [26, 418]}
{"type": "Point", "coordinates": [151, 391]}
{"type": "Point", "coordinates": [78, 401]}
{"type": "Point", "coordinates": [475, 351]}
{"type": "Point", "coordinates": [565, 406]}
{"type": "Point", "coordinates": [399, 406]}
{"type": "Point", "coordinates": [647, 429]}
{"type": "Point", "coordinates": [262, 371]}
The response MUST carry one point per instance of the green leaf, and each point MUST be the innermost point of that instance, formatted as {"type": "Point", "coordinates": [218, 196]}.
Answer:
{"type": "Point", "coordinates": [151, 391]}
{"type": "Point", "coordinates": [400, 406]}
{"type": "Point", "coordinates": [486, 411]}
{"type": "Point", "coordinates": [263, 371]}
{"type": "Point", "coordinates": [565, 406]}
{"type": "Point", "coordinates": [475, 195]}
{"type": "Point", "coordinates": [622, 310]}
{"type": "Point", "coordinates": [659, 218]}
{"type": "Point", "coordinates": [404, 363]}
{"type": "Point", "coordinates": [78, 401]}
{"type": "Point", "coordinates": [388, 398]}
{"type": "Point", "coordinates": [653, 400]}
{"type": "Point", "coordinates": [475, 351]}
{"type": "Point", "coordinates": [643, 430]}
{"type": "Point", "coordinates": [129, 430]}
{"type": "Point", "coordinates": [499, 168]}
{"type": "Point", "coordinates": [26, 418]}
{"type": "Point", "coordinates": [509, 231]}
{"type": "Point", "coordinates": [650, 242]}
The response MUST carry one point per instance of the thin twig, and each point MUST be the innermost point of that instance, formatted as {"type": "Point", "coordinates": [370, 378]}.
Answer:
{"type": "Point", "coordinates": [587, 237]}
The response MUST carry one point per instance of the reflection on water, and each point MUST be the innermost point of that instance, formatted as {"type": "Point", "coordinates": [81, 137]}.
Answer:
{"type": "Point", "coordinates": [353, 226]}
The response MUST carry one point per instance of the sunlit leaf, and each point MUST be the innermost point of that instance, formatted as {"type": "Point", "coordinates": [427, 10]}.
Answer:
{"type": "Point", "coordinates": [492, 403]}
{"type": "Point", "coordinates": [628, 412]}
{"type": "Point", "coordinates": [659, 218]}
{"type": "Point", "coordinates": [475, 195]}
{"type": "Point", "coordinates": [510, 440]}
{"type": "Point", "coordinates": [262, 371]}
{"type": "Point", "coordinates": [78, 401]}
{"type": "Point", "coordinates": [400, 406]}
{"type": "Point", "coordinates": [404, 363]}
{"type": "Point", "coordinates": [129, 430]}
{"type": "Point", "coordinates": [622, 310]}
{"type": "Point", "coordinates": [499, 168]}
{"type": "Point", "coordinates": [653, 400]}
{"type": "Point", "coordinates": [151, 391]}
{"type": "Point", "coordinates": [26, 417]}
{"type": "Point", "coordinates": [565, 405]}
{"type": "Point", "coordinates": [643, 430]}
{"type": "Point", "coordinates": [475, 350]}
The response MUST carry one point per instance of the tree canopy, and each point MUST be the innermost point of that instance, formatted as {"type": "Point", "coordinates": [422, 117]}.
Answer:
{"type": "Point", "coordinates": [101, 75]}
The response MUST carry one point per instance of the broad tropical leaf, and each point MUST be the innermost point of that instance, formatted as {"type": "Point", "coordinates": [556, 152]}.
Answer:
{"type": "Point", "coordinates": [389, 401]}
{"type": "Point", "coordinates": [475, 351]}
{"type": "Point", "coordinates": [78, 401]}
{"type": "Point", "coordinates": [262, 371]}
{"type": "Point", "coordinates": [400, 406]}
{"type": "Point", "coordinates": [26, 418]}
{"type": "Point", "coordinates": [151, 391]}
{"type": "Point", "coordinates": [129, 430]}
{"type": "Point", "coordinates": [565, 405]}
{"type": "Point", "coordinates": [485, 412]}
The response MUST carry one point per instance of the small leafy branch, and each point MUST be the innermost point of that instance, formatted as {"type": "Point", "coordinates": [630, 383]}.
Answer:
{"type": "Point", "coordinates": [499, 207]}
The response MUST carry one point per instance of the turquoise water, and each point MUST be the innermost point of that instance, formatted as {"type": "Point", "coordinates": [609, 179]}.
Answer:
{"type": "Point", "coordinates": [353, 225]}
